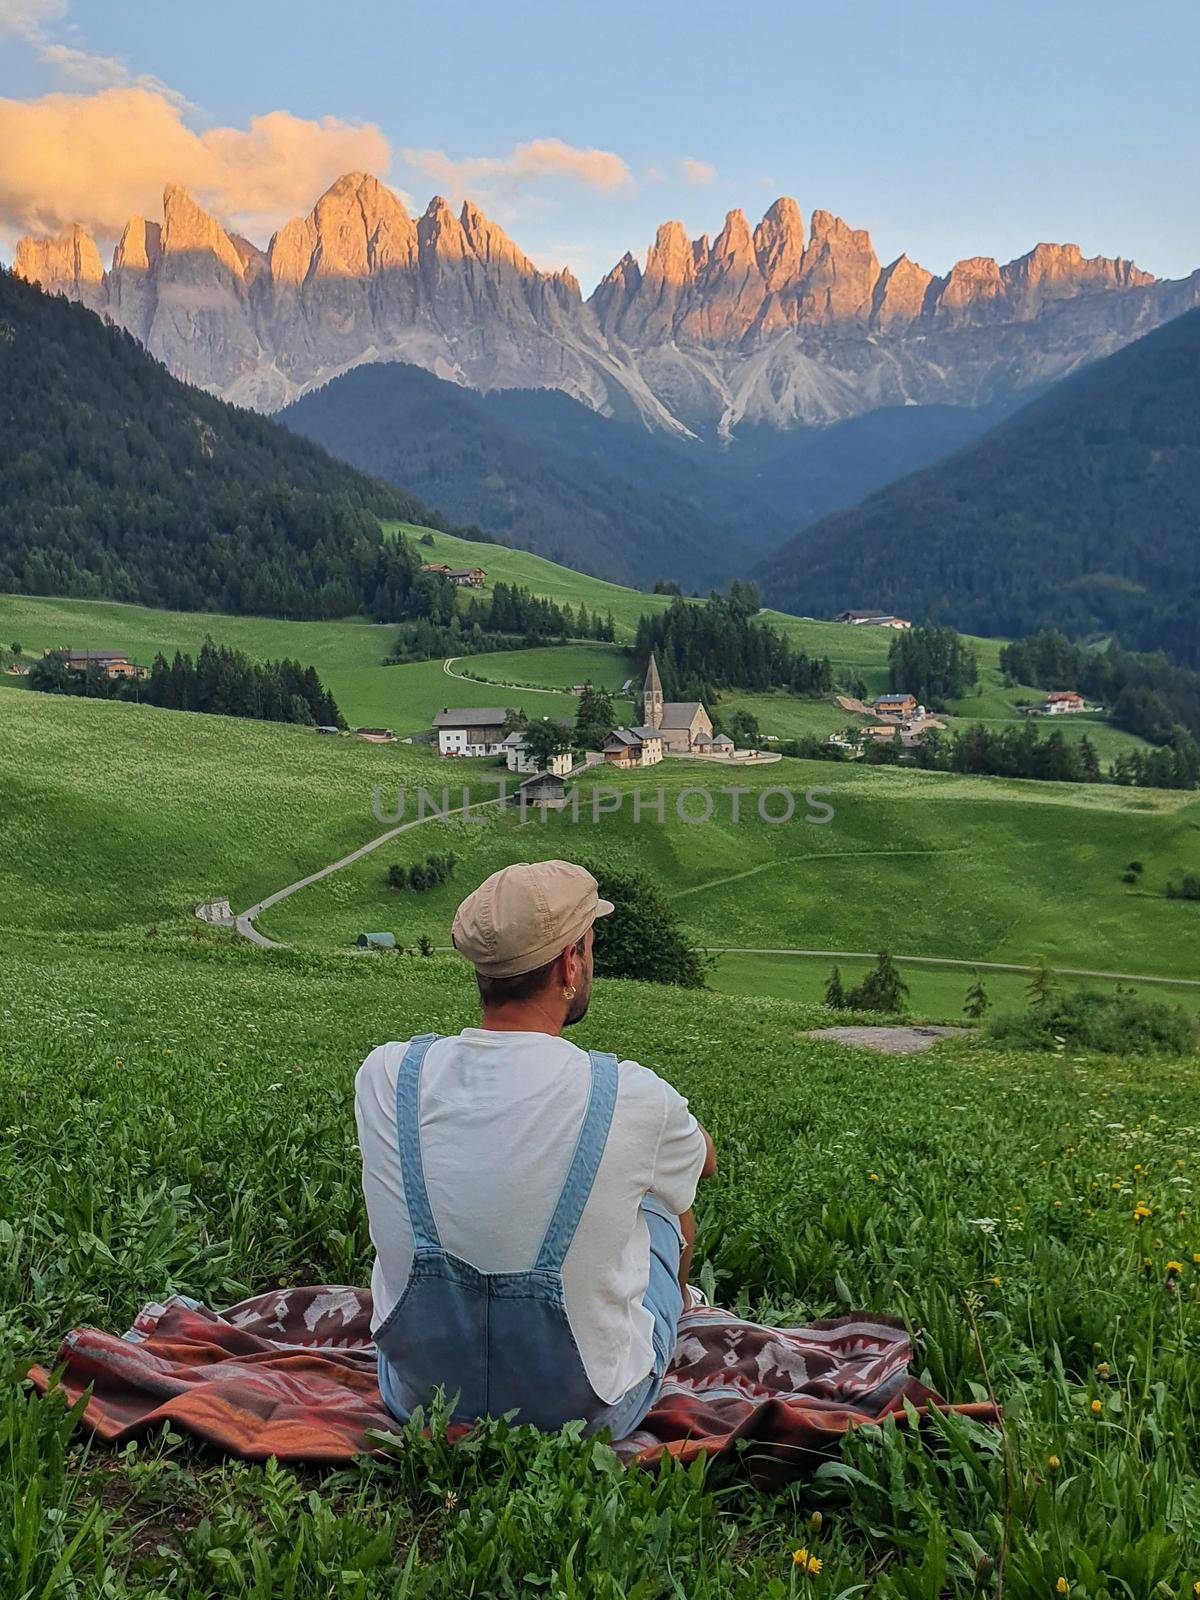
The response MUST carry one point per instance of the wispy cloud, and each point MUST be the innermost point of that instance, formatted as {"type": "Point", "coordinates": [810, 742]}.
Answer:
{"type": "Point", "coordinates": [699, 173]}
{"type": "Point", "coordinates": [97, 158]}
{"type": "Point", "coordinates": [535, 162]}
{"type": "Point", "coordinates": [28, 19]}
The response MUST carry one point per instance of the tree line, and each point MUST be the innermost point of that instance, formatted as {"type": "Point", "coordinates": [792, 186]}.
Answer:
{"type": "Point", "coordinates": [934, 664]}
{"type": "Point", "coordinates": [701, 649]}
{"type": "Point", "coordinates": [492, 624]}
{"type": "Point", "coordinates": [220, 681]}
{"type": "Point", "coordinates": [1022, 751]}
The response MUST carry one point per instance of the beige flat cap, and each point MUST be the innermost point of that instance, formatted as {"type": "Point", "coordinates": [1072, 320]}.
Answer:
{"type": "Point", "coordinates": [525, 915]}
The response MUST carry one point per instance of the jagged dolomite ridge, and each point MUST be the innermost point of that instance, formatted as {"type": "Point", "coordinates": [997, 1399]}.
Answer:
{"type": "Point", "coordinates": [775, 324]}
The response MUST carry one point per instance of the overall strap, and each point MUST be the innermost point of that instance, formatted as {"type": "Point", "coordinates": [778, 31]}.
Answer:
{"type": "Point", "coordinates": [581, 1174]}
{"type": "Point", "coordinates": [408, 1139]}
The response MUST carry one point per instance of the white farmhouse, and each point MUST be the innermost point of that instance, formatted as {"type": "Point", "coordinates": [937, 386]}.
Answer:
{"type": "Point", "coordinates": [470, 731]}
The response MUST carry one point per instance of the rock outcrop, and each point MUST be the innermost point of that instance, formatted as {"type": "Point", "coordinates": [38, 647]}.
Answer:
{"type": "Point", "coordinates": [766, 325]}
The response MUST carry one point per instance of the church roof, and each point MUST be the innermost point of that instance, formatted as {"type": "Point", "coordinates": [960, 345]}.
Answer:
{"type": "Point", "coordinates": [653, 684]}
{"type": "Point", "coordinates": [679, 713]}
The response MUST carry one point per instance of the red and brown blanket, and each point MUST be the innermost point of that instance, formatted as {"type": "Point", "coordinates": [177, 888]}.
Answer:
{"type": "Point", "coordinates": [292, 1375]}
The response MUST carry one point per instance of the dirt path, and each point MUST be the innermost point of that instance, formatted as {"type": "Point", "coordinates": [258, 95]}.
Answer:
{"type": "Point", "coordinates": [494, 683]}
{"type": "Point", "coordinates": [894, 1041]}
{"type": "Point", "coordinates": [951, 961]}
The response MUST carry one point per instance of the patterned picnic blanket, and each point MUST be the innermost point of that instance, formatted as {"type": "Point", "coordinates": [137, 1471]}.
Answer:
{"type": "Point", "coordinates": [291, 1374]}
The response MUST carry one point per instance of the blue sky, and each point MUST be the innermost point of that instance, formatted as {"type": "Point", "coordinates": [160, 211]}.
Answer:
{"type": "Point", "coordinates": [946, 129]}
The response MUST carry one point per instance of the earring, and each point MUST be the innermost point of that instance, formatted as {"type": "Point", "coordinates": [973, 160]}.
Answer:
{"type": "Point", "coordinates": [568, 991]}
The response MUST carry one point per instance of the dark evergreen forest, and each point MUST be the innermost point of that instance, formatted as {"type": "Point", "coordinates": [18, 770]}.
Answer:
{"type": "Point", "coordinates": [119, 482]}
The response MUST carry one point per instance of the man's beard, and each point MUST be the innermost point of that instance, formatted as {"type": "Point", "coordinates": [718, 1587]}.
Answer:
{"type": "Point", "coordinates": [577, 1010]}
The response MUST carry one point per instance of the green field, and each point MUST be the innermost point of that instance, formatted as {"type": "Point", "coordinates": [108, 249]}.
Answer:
{"type": "Point", "coordinates": [178, 1119]}
{"type": "Point", "coordinates": [543, 577]}
{"type": "Point", "coordinates": [936, 993]}
{"type": "Point", "coordinates": [920, 863]}
{"type": "Point", "coordinates": [177, 1115]}
{"type": "Point", "coordinates": [164, 809]}
{"type": "Point", "coordinates": [556, 666]}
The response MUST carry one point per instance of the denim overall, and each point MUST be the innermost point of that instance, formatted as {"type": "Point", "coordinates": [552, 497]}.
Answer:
{"type": "Point", "coordinates": [501, 1341]}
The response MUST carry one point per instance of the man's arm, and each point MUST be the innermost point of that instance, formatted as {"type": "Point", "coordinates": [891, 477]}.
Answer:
{"type": "Point", "coordinates": [687, 1222]}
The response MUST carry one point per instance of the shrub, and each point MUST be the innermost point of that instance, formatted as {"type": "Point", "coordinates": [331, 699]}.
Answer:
{"type": "Point", "coordinates": [1187, 888]}
{"type": "Point", "coordinates": [883, 989]}
{"type": "Point", "coordinates": [1121, 1023]}
{"type": "Point", "coordinates": [1129, 877]}
{"type": "Point", "coordinates": [422, 875]}
{"type": "Point", "coordinates": [642, 938]}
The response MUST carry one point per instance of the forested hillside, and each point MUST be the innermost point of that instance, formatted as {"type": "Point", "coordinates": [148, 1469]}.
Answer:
{"type": "Point", "coordinates": [1081, 512]}
{"type": "Point", "coordinates": [544, 472]}
{"type": "Point", "coordinates": [118, 481]}
{"type": "Point", "coordinates": [459, 451]}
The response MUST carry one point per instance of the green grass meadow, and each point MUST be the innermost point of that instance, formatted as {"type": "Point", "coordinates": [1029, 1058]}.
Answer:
{"type": "Point", "coordinates": [178, 1119]}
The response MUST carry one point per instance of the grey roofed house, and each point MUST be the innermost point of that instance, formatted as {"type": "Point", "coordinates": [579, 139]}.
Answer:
{"type": "Point", "coordinates": [470, 717]}
{"type": "Point", "coordinates": [621, 736]}
{"type": "Point", "coordinates": [679, 713]}
{"type": "Point", "coordinates": [645, 732]}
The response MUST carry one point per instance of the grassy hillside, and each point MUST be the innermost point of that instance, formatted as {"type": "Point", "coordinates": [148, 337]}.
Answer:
{"type": "Point", "coordinates": [165, 809]}
{"type": "Point", "coordinates": [925, 864]}
{"type": "Point", "coordinates": [196, 1105]}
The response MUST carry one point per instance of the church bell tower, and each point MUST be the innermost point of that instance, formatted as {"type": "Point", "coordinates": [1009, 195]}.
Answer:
{"type": "Point", "coordinates": [652, 696]}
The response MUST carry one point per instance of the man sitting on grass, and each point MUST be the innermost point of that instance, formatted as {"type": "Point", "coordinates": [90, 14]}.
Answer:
{"type": "Point", "coordinates": [529, 1202]}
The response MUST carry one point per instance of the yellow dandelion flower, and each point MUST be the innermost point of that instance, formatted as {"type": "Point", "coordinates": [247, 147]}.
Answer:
{"type": "Point", "coordinates": [1054, 1463]}
{"type": "Point", "coordinates": [872, 1177]}
{"type": "Point", "coordinates": [1062, 1587]}
{"type": "Point", "coordinates": [1196, 1258]}
{"type": "Point", "coordinates": [1097, 1407]}
{"type": "Point", "coordinates": [1174, 1268]}
{"type": "Point", "coordinates": [1196, 1589]}
{"type": "Point", "coordinates": [1140, 1212]}
{"type": "Point", "coordinates": [810, 1565]}
{"type": "Point", "coordinates": [996, 1282]}
{"type": "Point", "coordinates": [1102, 1369]}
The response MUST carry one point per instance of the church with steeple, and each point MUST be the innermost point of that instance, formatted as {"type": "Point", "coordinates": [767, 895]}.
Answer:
{"type": "Point", "coordinates": [684, 726]}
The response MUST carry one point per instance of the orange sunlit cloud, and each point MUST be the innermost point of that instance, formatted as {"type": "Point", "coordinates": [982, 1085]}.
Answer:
{"type": "Point", "coordinates": [100, 158]}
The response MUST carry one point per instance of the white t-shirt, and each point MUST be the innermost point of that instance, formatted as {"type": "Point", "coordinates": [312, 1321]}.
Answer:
{"type": "Point", "coordinates": [500, 1113]}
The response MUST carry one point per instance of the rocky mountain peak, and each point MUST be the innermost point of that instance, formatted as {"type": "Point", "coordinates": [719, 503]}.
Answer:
{"type": "Point", "coordinates": [139, 246]}
{"type": "Point", "coordinates": [779, 243]}
{"type": "Point", "coordinates": [188, 229]}
{"type": "Point", "coordinates": [489, 242]}
{"type": "Point", "coordinates": [68, 263]}
{"type": "Point", "coordinates": [671, 258]}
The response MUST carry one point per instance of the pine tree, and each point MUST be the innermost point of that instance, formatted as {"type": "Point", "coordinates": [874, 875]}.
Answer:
{"type": "Point", "coordinates": [835, 995]}
{"type": "Point", "coordinates": [1043, 987]}
{"type": "Point", "coordinates": [976, 1001]}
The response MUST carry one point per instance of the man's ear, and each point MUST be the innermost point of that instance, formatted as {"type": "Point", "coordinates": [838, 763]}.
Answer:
{"type": "Point", "coordinates": [571, 966]}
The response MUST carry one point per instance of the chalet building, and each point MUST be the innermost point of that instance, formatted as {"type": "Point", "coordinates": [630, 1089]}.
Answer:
{"type": "Point", "coordinates": [872, 619]}
{"type": "Point", "coordinates": [517, 756]}
{"type": "Point", "coordinates": [1060, 701]}
{"type": "Point", "coordinates": [633, 747]}
{"type": "Point", "coordinates": [902, 706]}
{"type": "Point", "coordinates": [471, 731]}
{"type": "Point", "coordinates": [109, 663]}
{"type": "Point", "coordinates": [679, 722]}
{"type": "Point", "coordinates": [464, 577]}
